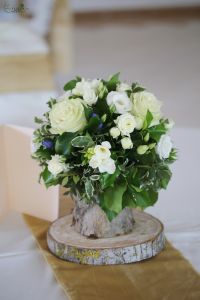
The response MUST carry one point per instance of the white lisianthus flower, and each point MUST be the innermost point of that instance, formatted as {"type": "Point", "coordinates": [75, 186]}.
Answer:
{"type": "Point", "coordinates": [102, 152]}
{"type": "Point", "coordinates": [108, 166]}
{"type": "Point", "coordinates": [56, 165]}
{"type": "Point", "coordinates": [114, 132]}
{"type": "Point", "coordinates": [89, 96]}
{"type": "Point", "coordinates": [126, 143]}
{"type": "Point", "coordinates": [126, 123]}
{"type": "Point", "coordinates": [88, 90]}
{"type": "Point", "coordinates": [95, 84]}
{"type": "Point", "coordinates": [164, 146]}
{"type": "Point", "coordinates": [120, 101]}
{"type": "Point", "coordinates": [144, 101]}
{"type": "Point", "coordinates": [106, 144]}
{"type": "Point", "coordinates": [101, 158]}
{"type": "Point", "coordinates": [123, 87]}
{"type": "Point", "coordinates": [67, 116]}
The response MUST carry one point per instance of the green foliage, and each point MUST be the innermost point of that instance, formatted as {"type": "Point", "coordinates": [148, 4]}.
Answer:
{"type": "Point", "coordinates": [156, 131]}
{"type": "Point", "coordinates": [112, 83]}
{"type": "Point", "coordinates": [111, 199]}
{"type": "Point", "coordinates": [82, 141]}
{"type": "Point", "coordinates": [109, 179]}
{"type": "Point", "coordinates": [71, 84]}
{"type": "Point", "coordinates": [63, 144]}
{"type": "Point", "coordinates": [48, 178]}
{"type": "Point", "coordinates": [148, 119]}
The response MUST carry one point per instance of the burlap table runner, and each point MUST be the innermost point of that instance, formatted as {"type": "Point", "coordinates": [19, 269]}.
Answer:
{"type": "Point", "coordinates": [166, 276]}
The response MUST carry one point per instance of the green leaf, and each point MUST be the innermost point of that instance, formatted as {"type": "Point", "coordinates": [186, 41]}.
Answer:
{"type": "Point", "coordinates": [76, 178]}
{"type": "Point", "coordinates": [112, 83]}
{"type": "Point", "coordinates": [89, 189]}
{"type": "Point", "coordinates": [137, 88]}
{"type": "Point", "coordinates": [82, 141]}
{"type": "Point", "coordinates": [48, 178]}
{"type": "Point", "coordinates": [93, 124]}
{"type": "Point", "coordinates": [63, 144]}
{"type": "Point", "coordinates": [70, 85]}
{"type": "Point", "coordinates": [145, 198]}
{"type": "Point", "coordinates": [65, 181]}
{"type": "Point", "coordinates": [107, 180]}
{"type": "Point", "coordinates": [43, 153]}
{"type": "Point", "coordinates": [148, 119]}
{"type": "Point", "coordinates": [128, 200]}
{"type": "Point", "coordinates": [38, 120]}
{"type": "Point", "coordinates": [164, 175]}
{"type": "Point", "coordinates": [156, 131]}
{"type": "Point", "coordinates": [88, 111]}
{"type": "Point", "coordinates": [112, 198]}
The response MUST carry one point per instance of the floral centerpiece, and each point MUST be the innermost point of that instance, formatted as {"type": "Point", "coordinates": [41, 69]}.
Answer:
{"type": "Point", "coordinates": [108, 142]}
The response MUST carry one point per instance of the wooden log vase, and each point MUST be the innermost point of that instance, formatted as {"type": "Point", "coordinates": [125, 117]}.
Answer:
{"type": "Point", "coordinates": [143, 241]}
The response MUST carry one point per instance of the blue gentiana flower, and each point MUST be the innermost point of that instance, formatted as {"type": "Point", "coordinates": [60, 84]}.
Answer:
{"type": "Point", "coordinates": [48, 144]}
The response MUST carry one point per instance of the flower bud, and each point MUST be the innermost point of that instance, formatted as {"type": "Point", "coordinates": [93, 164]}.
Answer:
{"type": "Point", "coordinates": [142, 149]}
{"type": "Point", "coordinates": [126, 143]}
{"type": "Point", "coordinates": [114, 132]}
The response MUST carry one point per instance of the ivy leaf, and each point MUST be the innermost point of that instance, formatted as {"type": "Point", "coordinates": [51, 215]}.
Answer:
{"type": "Point", "coordinates": [70, 85]}
{"type": "Point", "coordinates": [43, 153]}
{"type": "Point", "coordinates": [63, 144]}
{"type": "Point", "coordinates": [89, 189]}
{"type": "Point", "coordinates": [112, 83]}
{"type": "Point", "coordinates": [112, 198]}
{"type": "Point", "coordinates": [48, 178]}
{"type": "Point", "coordinates": [65, 181]}
{"type": "Point", "coordinates": [82, 141]}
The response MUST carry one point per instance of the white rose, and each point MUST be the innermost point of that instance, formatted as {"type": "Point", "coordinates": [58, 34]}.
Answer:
{"type": "Point", "coordinates": [56, 165]}
{"type": "Point", "coordinates": [114, 132]}
{"type": "Point", "coordinates": [67, 116]}
{"type": "Point", "coordinates": [126, 143]}
{"type": "Point", "coordinates": [164, 146]}
{"type": "Point", "coordinates": [107, 165]}
{"type": "Point", "coordinates": [120, 101]}
{"type": "Point", "coordinates": [126, 123]}
{"type": "Point", "coordinates": [87, 89]}
{"type": "Point", "coordinates": [144, 101]}
{"type": "Point", "coordinates": [123, 87]}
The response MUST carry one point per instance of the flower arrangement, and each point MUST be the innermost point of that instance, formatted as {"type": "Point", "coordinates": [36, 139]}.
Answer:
{"type": "Point", "coordinates": [107, 141]}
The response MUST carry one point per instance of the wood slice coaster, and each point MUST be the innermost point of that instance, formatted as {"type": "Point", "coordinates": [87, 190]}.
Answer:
{"type": "Point", "coordinates": [145, 241]}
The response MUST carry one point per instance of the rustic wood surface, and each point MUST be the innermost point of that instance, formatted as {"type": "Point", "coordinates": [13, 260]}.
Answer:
{"type": "Point", "coordinates": [145, 241]}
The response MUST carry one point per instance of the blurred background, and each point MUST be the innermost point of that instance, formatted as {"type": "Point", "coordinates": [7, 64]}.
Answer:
{"type": "Point", "coordinates": [44, 43]}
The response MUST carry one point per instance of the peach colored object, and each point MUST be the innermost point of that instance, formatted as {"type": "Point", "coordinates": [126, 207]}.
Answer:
{"type": "Point", "coordinates": [19, 186]}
